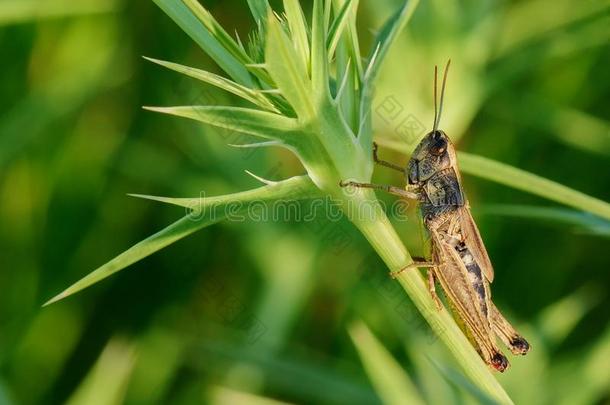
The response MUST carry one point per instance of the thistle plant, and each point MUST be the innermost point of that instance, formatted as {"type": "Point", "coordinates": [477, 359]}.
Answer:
{"type": "Point", "coordinates": [311, 92]}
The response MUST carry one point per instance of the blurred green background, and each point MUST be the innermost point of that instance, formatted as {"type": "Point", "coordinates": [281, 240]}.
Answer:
{"type": "Point", "coordinates": [250, 312]}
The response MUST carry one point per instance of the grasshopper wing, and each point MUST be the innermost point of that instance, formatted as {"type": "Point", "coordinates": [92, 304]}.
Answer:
{"type": "Point", "coordinates": [468, 293]}
{"type": "Point", "coordinates": [474, 243]}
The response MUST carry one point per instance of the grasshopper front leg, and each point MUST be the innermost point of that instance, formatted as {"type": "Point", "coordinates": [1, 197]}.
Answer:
{"type": "Point", "coordinates": [383, 187]}
{"type": "Point", "coordinates": [385, 163]}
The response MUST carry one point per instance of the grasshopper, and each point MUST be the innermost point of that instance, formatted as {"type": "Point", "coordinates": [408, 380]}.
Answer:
{"type": "Point", "coordinates": [459, 262]}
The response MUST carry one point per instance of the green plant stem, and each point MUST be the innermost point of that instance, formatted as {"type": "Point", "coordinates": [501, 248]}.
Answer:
{"type": "Point", "coordinates": [381, 235]}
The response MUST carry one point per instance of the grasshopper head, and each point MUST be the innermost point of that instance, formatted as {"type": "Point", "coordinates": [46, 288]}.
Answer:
{"type": "Point", "coordinates": [434, 153]}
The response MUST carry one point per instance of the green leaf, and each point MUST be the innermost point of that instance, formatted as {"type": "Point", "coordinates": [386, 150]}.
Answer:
{"type": "Point", "coordinates": [298, 28]}
{"type": "Point", "coordinates": [584, 222]}
{"type": "Point", "coordinates": [244, 120]}
{"type": "Point", "coordinates": [328, 7]}
{"type": "Point", "coordinates": [287, 70]}
{"type": "Point", "coordinates": [219, 33]}
{"type": "Point", "coordinates": [520, 179]}
{"type": "Point", "coordinates": [525, 22]}
{"type": "Point", "coordinates": [349, 68]}
{"type": "Point", "coordinates": [253, 96]}
{"type": "Point", "coordinates": [348, 99]}
{"type": "Point", "coordinates": [338, 26]}
{"type": "Point", "coordinates": [562, 317]}
{"type": "Point", "coordinates": [458, 380]}
{"type": "Point", "coordinates": [182, 16]}
{"type": "Point", "coordinates": [259, 10]}
{"type": "Point", "coordinates": [319, 55]}
{"type": "Point", "coordinates": [208, 211]}
{"type": "Point", "coordinates": [593, 377]}
{"type": "Point", "coordinates": [386, 37]}
{"type": "Point", "coordinates": [575, 128]}
{"type": "Point", "coordinates": [391, 382]}
{"type": "Point", "coordinates": [225, 40]}
{"type": "Point", "coordinates": [107, 382]}
{"type": "Point", "coordinates": [351, 43]}
{"type": "Point", "coordinates": [296, 188]}
{"type": "Point", "coordinates": [176, 231]}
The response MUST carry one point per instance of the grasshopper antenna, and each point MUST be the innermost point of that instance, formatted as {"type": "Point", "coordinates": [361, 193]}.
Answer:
{"type": "Point", "coordinates": [437, 118]}
{"type": "Point", "coordinates": [435, 103]}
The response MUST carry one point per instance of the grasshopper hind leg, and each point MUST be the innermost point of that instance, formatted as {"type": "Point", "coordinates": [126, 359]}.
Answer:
{"type": "Point", "coordinates": [430, 266]}
{"type": "Point", "coordinates": [505, 331]}
{"type": "Point", "coordinates": [499, 362]}
{"type": "Point", "coordinates": [432, 288]}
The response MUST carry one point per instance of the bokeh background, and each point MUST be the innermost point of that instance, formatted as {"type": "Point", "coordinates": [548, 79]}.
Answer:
{"type": "Point", "coordinates": [250, 312]}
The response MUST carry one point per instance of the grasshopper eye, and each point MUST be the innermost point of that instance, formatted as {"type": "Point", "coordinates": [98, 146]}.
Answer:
{"type": "Point", "coordinates": [437, 151]}
{"type": "Point", "coordinates": [439, 144]}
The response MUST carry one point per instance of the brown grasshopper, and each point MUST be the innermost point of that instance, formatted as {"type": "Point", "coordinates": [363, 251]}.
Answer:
{"type": "Point", "coordinates": [459, 259]}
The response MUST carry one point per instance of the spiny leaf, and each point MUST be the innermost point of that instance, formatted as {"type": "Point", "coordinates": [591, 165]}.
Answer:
{"type": "Point", "coordinates": [219, 33]}
{"type": "Point", "coordinates": [208, 211]}
{"type": "Point", "coordinates": [182, 16]}
{"type": "Point", "coordinates": [295, 188]}
{"type": "Point", "coordinates": [287, 70]}
{"type": "Point", "coordinates": [328, 6]}
{"type": "Point", "coordinates": [257, 144]}
{"type": "Point", "coordinates": [338, 26]}
{"type": "Point", "coordinates": [319, 55]}
{"type": "Point", "coordinates": [386, 37]}
{"type": "Point", "coordinates": [259, 9]}
{"type": "Point", "coordinates": [225, 40]}
{"type": "Point", "coordinates": [253, 96]}
{"type": "Point", "coordinates": [349, 67]}
{"type": "Point", "coordinates": [351, 43]}
{"type": "Point", "coordinates": [298, 28]}
{"type": "Point", "coordinates": [343, 83]}
{"type": "Point", "coordinates": [176, 231]}
{"type": "Point", "coordinates": [348, 98]}
{"type": "Point", "coordinates": [244, 120]}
